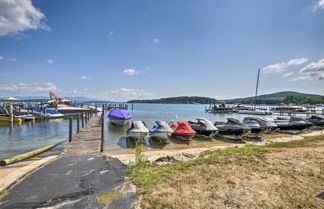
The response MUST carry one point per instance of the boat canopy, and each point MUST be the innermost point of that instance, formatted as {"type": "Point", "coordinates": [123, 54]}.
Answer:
{"type": "Point", "coordinates": [120, 114]}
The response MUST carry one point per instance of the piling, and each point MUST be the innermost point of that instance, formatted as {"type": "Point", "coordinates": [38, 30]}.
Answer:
{"type": "Point", "coordinates": [70, 129]}
{"type": "Point", "coordinates": [82, 121]}
{"type": "Point", "coordinates": [78, 123]}
{"type": "Point", "coordinates": [10, 113]}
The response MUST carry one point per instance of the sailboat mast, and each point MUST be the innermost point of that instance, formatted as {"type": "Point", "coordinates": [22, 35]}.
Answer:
{"type": "Point", "coordinates": [256, 89]}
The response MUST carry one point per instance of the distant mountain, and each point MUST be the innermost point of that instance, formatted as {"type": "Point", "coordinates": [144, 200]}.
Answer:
{"type": "Point", "coordinates": [178, 100]}
{"type": "Point", "coordinates": [274, 96]}
{"type": "Point", "coordinates": [47, 98]}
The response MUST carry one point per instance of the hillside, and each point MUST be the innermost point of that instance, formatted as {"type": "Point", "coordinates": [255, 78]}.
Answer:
{"type": "Point", "coordinates": [178, 100]}
{"type": "Point", "coordinates": [274, 97]}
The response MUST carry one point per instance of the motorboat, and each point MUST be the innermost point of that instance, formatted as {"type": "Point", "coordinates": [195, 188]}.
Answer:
{"type": "Point", "coordinates": [254, 112]}
{"type": "Point", "coordinates": [6, 118]}
{"type": "Point", "coordinates": [253, 124]}
{"type": "Point", "coordinates": [119, 117]}
{"type": "Point", "coordinates": [182, 130]}
{"type": "Point", "coordinates": [26, 117]}
{"type": "Point", "coordinates": [293, 123]}
{"type": "Point", "coordinates": [137, 130]}
{"type": "Point", "coordinates": [46, 112]}
{"type": "Point", "coordinates": [161, 131]}
{"type": "Point", "coordinates": [316, 120]}
{"type": "Point", "coordinates": [288, 109]}
{"type": "Point", "coordinates": [203, 127]}
{"type": "Point", "coordinates": [232, 127]}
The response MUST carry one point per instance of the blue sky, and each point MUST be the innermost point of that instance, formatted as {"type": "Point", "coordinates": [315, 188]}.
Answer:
{"type": "Point", "coordinates": [131, 49]}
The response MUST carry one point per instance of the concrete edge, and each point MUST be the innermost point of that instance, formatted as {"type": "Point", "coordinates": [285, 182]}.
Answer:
{"type": "Point", "coordinates": [15, 177]}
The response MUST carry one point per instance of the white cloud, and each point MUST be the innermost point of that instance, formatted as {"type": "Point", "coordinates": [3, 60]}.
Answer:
{"type": "Point", "coordinates": [287, 74]}
{"type": "Point", "coordinates": [124, 94]}
{"type": "Point", "coordinates": [85, 78]}
{"type": "Point", "coordinates": [319, 5]}
{"type": "Point", "coordinates": [130, 72]}
{"type": "Point", "coordinates": [12, 59]}
{"type": "Point", "coordinates": [111, 33]}
{"type": "Point", "coordinates": [280, 67]}
{"type": "Point", "coordinates": [156, 41]}
{"type": "Point", "coordinates": [50, 61]}
{"type": "Point", "coordinates": [1, 57]}
{"type": "Point", "coordinates": [34, 87]}
{"type": "Point", "coordinates": [19, 15]}
{"type": "Point", "coordinates": [313, 71]}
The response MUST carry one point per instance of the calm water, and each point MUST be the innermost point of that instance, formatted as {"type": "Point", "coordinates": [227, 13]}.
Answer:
{"type": "Point", "coordinates": [18, 139]}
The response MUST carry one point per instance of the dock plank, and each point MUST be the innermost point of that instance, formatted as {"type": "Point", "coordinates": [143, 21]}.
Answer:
{"type": "Point", "coordinates": [87, 141]}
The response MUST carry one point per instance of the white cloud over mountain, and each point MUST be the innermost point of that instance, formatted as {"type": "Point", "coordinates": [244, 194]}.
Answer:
{"type": "Point", "coordinates": [280, 67]}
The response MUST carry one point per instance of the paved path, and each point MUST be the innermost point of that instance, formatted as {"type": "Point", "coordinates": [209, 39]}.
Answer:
{"type": "Point", "coordinates": [87, 141]}
{"type": "Point", "coordinates": [73, 182]}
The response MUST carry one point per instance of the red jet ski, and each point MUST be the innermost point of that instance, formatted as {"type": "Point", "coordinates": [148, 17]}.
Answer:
{"type": "Point", "coordinates": [182, 130]}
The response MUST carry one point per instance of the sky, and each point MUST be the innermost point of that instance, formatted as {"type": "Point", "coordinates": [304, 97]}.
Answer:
{"type": "Point", "coordinates": [139, 49]}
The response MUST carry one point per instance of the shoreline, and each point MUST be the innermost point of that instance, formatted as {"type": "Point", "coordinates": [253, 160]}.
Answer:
{"type": "Point", "coordinates": [182, 154]}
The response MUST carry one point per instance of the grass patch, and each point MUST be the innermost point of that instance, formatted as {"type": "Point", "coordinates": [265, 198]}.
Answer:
{"type": "Point", "coordinates": [3, 194]}
{"type": "Point", "coordinates": [147, 177]}
{"type": "Point", "coordinates": [108, 197]}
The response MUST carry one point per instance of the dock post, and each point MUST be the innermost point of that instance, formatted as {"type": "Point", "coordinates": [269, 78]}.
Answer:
{"type": "Point", "coordinates": [82, 120]}
{"type": "Point", "coordinates": [102, 132]}
{"type": "Point", "coordinates": [70, 129]}
{"type": "Point", "coordinates": [78, 123]}
{"type": "Point", "coordinates": [10, 113]}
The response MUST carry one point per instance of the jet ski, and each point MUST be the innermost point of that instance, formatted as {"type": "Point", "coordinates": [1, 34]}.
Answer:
{"type": "Point", "coordinates": [161, 131]}
{"type": "Point", "coordinates": [119, 117]}
{"type": "Point", "coordinates": [203, 127]}
{"type": "Point", "coordinates": [316, 120]}
{"type": "Point", "coordinates": [253, 124]}
{"type": "Point", "coordinates": [232, 127]}
{"type": "Point", "coordinates": [267, 124]}
{"type": "Point", "coordinates": [293, 123]}
{"type": "Point", "coordinates": [137, 130]}
{"type": "Point", "coordinates": [182, 130]}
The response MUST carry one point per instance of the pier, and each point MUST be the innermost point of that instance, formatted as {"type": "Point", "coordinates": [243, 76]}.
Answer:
{"type": "Point", "coordinates": [87, 141]}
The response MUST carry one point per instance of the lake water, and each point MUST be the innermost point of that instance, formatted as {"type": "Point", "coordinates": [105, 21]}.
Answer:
{"type": "Point", "coordinates": [18, 139]}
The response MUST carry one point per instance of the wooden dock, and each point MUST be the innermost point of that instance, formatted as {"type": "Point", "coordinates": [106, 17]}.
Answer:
{"type": "Point", "coordinates": [87, 141]}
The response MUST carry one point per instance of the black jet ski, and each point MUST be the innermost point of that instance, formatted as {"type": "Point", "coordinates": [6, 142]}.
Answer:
{"type": "Point", "coordinates": [232, 127]}
{"type": "Point", "coordinates": [316, 120]}
{"type": "Point", "coordinates": [203, 127]}
{"type": "Point", "coordinates": [293, 123]}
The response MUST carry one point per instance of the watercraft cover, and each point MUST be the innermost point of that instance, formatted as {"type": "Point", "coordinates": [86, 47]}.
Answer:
{"type": "Point", "coordinates": [184, 128]}
{"type": "Point", "coordinates": [139, 127]}
{"type": "Point", "coordinates": [161, 127]}
{"type": "Point", "coordinates": [120, 114]}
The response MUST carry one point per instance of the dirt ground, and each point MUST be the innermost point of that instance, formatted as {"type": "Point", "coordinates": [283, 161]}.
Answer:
{"type": "Point", "coordinates": [280, 178]}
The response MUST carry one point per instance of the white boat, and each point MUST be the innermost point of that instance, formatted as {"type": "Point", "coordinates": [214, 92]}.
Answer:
{"type": "Point", "coordinates": [289, 109]}
{"type": "Point", "coordinates": [254, 112]}
{"type": "Point", "coordinates": [118, 122]}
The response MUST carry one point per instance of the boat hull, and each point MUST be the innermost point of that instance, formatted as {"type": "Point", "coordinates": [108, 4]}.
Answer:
{"type": "Point", "coordinates": [161, 135]}
{"type": "Point", "coordinates": [118, 122]}
{"type": "Point", "coordinates": [136, 135]}
{"type": "Point", "coordinates": [16, 120]}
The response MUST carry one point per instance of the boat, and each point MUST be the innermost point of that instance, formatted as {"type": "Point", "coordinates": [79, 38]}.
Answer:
{"type": "Point", "coordinates": [161, 131]}
{"type": "Point", "coordinates": [203, 127]}
{"type": "Point", "coordinates": [137, 130]}
{"type": "Point", "coordinates": [254, 112]}
{"type": "Point", "coordinates": [46, 112]}
{"type": "Point", "coordinates": [26, 117]}
{"type": "Point", "coordinates": [293, 123]}
{"type": "Point", "coordinates": [183, 131]}
{"type": "Point", "coordinates": [253, 124]}
{"type": "Point", "coordinates": [316, 120]}
{"type": "Point", "coordinates": [119, 117]}
{"type": "Point", "coordinates": [6, 118]}
{"type": "Point", "coordinates": [288, 109]}
{"type": "Point", "coordinates": [232, 127]}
